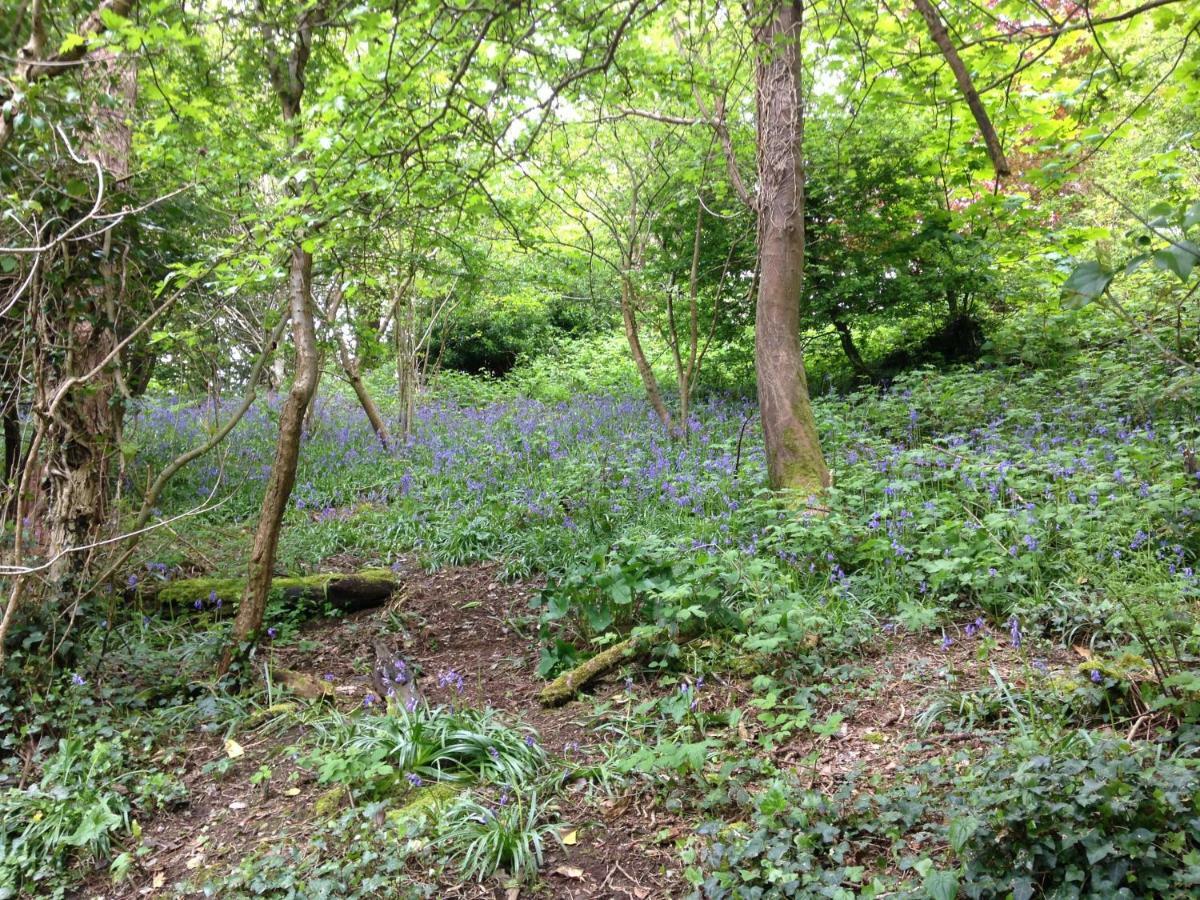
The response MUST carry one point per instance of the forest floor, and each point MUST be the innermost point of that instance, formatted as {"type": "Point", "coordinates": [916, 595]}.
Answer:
{"type": "Point", "coordinates": [621, 844]}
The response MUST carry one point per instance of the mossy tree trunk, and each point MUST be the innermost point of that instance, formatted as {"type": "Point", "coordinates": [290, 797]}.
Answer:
{"type": "Point", "coordinates": [794, 458]}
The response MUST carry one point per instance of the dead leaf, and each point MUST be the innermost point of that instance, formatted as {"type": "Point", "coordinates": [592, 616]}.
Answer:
{"type": "Point", "coordinates": [237, 804]}
{"type": "Point", "coordinates": [641, 893]}
{"type": "Point", "coordinates": [512, 893]}
{"type": "Point", "coordinates": [159, 879]}
{"type": "Point", "coordinates": [1084, 652]}
{"type": "Point", "coordinates": [196, 861]}
{"type": "Point", "coordinates": [292, 792]}
{"type": "Point", "coordinates": [233, 749]}
{"type": "Point", "coordinates": [570, 838]}
{"type": "Point", "coordinates": [569, 872]}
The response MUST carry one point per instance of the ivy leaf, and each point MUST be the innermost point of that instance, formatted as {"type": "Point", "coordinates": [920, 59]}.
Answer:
{"type": "Point", "coordinates": [961, 831]}
{"type": "Point", "coordinates": [941, 885]}
{"type": "Point", "coordinates": [1086, 283]}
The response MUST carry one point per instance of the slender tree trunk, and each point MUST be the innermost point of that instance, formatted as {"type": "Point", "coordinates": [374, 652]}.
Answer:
{"type": "Point", "coordinates": [406, 363]}
{"type": "Point", "coordinates": [794, 459]}
{"type": "Point", "coordinates": [350, 367]}
{"type": "Point", "coordinates": [287, 454]}
{"type": "Point", "coordinates": [940, 37]}
{"type": "Point", "coordinates": [12, 442]}
{"type": "Point", "coordinates": [649, 381]}
{"type": "Point", "coordinates": [846, 337]}
{"type": "Point", "coordinates": [288, 82]}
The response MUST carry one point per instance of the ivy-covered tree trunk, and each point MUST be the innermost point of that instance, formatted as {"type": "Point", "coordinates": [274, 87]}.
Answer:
{"type": "Point", "coordinates": [80, 437]}
{"type": "Point", "coordinates": [794, 458]}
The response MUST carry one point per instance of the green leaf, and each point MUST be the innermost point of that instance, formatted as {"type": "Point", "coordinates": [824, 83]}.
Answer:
{"type": "Point", "coordinates": [961, 831]}
{"type": "Point", "coordinates": [1086, 283]}
{"type": "Point", "coordinates": [1179, 259]}
{"type": "Point", "coordinates": [7, 264]}
{"type": "Point", "coordinates": [1191, 216]}
{"type": "Point", "coordinates": [70, 42]}
{"type": "Point", "coordinates": [941, 885]}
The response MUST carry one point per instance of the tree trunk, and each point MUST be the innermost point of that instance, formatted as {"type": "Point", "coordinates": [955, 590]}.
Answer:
{"type": "Point", "coordinates": [846, 337]}
{"type": "Point", "coordinates": [287, 454]}
{"type": "Point", "coordinates": [938, 31]}
{"type": "Point", "coordinates": [649, 381]}
{"type": "Point", "coordinates": [350, 367]}
{"type": "Point", "coordinates": [406, 363]}
{"type": "Point", "coordinates": [288, 81]}
{"type": "Point", "coordinates": [79, 440]}
{"type": "Point", "coordinates": [794, 459]}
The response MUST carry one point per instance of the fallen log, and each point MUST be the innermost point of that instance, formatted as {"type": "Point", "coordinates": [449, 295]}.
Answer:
{"type": "Point", "coordinates": [564, 688]}
{"type": "Point", "coordinates": [345, 592]}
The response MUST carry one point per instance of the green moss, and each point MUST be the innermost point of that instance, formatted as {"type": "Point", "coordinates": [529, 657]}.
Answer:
{"type": "Point", "coordinates": [187, 591]}
{"type": "Point", "coordinates": [425, 804]}
{"type": "Point", "coordinates": [568, 684]}
{"type": "Point", "coordinates": [258, 717]}
{"type": "Point", "coordinates": [329, 802]}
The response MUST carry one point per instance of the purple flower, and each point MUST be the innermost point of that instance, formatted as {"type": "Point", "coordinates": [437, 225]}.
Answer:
{"type": "Point", "coordinates": [272, 631]}
{"type": "Point", "coordinates": [947, 641]}
{"type": "Point", "coordinates": [1040, 665]}
{"type": "Point", "coordinates": [1096, 676]}
{"type": "Point", "coordinates": [414, 779]}
{"type": "Point", "coordinates": [1014, 631]}
{"type": "Point", "coordinates": [77, 680]}
{"type": "Point", "coordinates": [328, 676]}
{"type": "Point", "coordinates": [451, 678]}
{"type": "Point", "coordinates": [199, 604]}
{"type": "Point", "coordinates": [530, 741]}
{"type": "Point", "coordinates": [132, 582]}
{"type": "Point", "coordinates": [369, 700]}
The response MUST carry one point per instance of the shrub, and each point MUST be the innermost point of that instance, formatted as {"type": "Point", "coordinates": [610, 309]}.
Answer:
{"type": "Point", "coordinates": [1111, 820]}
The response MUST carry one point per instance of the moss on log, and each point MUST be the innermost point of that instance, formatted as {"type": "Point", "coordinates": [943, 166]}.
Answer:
{"type": "Point", "coordinates": [302, 685]}
{"type": "Point", "coordinates": [345, 592]}
{"type": "Point", "coordinates": [426, 804]}
{"type": "Point", "coordinates": [567, 685]}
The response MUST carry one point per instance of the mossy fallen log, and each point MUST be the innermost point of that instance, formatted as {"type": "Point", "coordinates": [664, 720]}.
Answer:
{"type": "Point", "coordinates": [302, 684]}
{"type": "Point", "coordinates": [564, 688]}
{"type": "Point", "coordinates": [345, 592]}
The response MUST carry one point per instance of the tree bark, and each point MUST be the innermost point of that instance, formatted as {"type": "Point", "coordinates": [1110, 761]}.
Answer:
{"type": "Point", "coordinates": [846, 337]}
{"type": "Point", "coordinates": [12, 443]}
{"type": "Point", "coordinates": [794, 458]}
{"type": "Point", "coordinates": [940, 37]}
{"type": "Point", "coordinates": [79, 440]}
{"type": "Point", "coordinates": [649, 381]}
{"type": "Point", "coordinates": [288, 82]}
{"type": "Point", "coordinates": [350, 367]}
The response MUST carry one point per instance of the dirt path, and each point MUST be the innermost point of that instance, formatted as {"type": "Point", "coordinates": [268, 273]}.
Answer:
{"type": "Point", "coordinates": [462, 620]}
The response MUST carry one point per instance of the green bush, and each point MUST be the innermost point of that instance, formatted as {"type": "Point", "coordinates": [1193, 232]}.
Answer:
{"type": "Point", "coordinates": [82, 804]}
{"type": "Point", "coordinates": [1113, 819]}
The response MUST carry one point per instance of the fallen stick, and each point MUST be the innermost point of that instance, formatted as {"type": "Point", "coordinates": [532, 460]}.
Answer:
{"type": "Point", "coordinates": [564, 688]}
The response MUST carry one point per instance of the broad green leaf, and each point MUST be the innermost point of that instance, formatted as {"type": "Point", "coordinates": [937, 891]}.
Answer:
{"type": "Point", "coordinates": [1087, 282]}
{"type": "Point", "coordinates": [941, 885]}
{"type": "Point", "coordinates": [1178, 259]}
